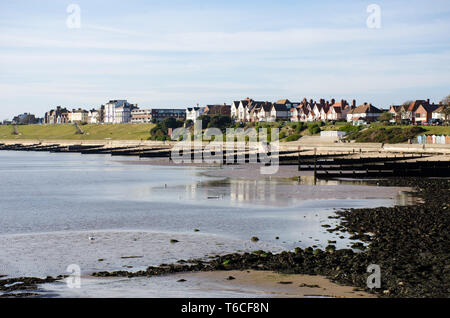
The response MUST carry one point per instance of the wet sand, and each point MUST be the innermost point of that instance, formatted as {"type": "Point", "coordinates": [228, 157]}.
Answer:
{"type": "Point", "coordinates": [46, 254]}
{"type": "Point", "coordinates": [271, 284]}
{"type": "Point", "coordinates": [245, 284]}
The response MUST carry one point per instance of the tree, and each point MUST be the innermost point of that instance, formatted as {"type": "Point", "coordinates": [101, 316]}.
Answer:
{"type": "Point", "coordinates": [446, 108]}
{"type": "Point", "coordinates": [189, 123]}
{"type": "Point", "coordinates": [404, 113]}
{"type": "Point", "coordinates": [161, 130]}
{"type": "Point", "coordinates": [407, 103]}
{"type": "Point", "coordinates": [205, 121]}
{"type": "Point", "coordinates": [219, 121]}
{"type": "Point", "coordinates": [386, 116]}
{"type": "Point", "coordinates": [170, 123]}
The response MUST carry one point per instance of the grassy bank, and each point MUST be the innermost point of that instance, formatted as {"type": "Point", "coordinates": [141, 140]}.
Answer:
{"type": "Point", "coordinates": [376, 132]}
{"type": "Point", "coordinates": [392, 134]}
{"type": "Point", "coordinates": [69, 132]}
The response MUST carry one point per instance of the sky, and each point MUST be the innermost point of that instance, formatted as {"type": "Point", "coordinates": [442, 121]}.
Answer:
{"type": "Point", "coordinates": [174, 53]}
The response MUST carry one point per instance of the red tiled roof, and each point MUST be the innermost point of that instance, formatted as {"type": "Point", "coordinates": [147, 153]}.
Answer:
{"type": "Point", "coordinates": [365, 109]}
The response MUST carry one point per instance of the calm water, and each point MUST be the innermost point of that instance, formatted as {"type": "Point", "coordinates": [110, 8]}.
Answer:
{"type": "Point", "coordinates": [51, 203]}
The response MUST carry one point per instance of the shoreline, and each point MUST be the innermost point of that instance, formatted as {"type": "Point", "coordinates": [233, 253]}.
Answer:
{"type": "Point", "coordinates": [413, 263]}
{"type": "Point", "coordinates": [411, 252]}
{"type": "Point", "coordinates": [305, 143]}
{"type": "Point", "coordinates": [273, 284]}
{"type": "Point", "coordinates": [403, 266]}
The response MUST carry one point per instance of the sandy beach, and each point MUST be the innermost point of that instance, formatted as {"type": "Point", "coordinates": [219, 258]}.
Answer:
{"type": "Point", "coordinates": [217, 284]}
{"type": "Point", "coordinates": [272, 284]}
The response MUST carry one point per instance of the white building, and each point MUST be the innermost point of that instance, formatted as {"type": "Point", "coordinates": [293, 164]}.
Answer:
{"type": "Point", "coordinates": [332, 134]}
{"type": "Point", "coordinates": [94, 116]}
{"type": "Point", "coordinates": [278, 112]}
{"type": "Point", "coordinates": [193, 113]}
{"type": "Point", "coordinates": [364, 113]}
{"type": "Point", "coordinates": [242, 111]}
{"type": "Point", "coordinates": [141, 116]}
{"type": "Point", "coordinates": [439, 113]}
{"type": "Point", "coordinates": [118, 112]}
{"type": "Point", "coordinates": [235, 109]}
{"type": "Point", "coordinates": [78, 116]}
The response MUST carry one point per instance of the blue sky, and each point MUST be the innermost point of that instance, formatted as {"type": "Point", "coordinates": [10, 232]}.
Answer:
{"type": "Point", "coordinates": [180, 53]}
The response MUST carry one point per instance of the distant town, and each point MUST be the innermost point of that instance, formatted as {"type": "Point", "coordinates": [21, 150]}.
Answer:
{"type": "Point", "coordinates": [418, 112]}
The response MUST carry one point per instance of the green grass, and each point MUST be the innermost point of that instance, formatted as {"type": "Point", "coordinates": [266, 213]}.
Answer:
{"type": "Point", "coordinates": [142, 131]}
{"type": "Point", "coordinates": [69, 132]}
{"type": "Point", "coordinates": [334, 127]}
{"type": "Point", "coordinates": [394, 134]}
{"type": "Point", "coordinates": [430, 130]}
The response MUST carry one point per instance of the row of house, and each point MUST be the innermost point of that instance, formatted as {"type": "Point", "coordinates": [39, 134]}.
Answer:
{"type": "Point", "coordinates": [61, 115]}
{"type": "Point", "coordinates": [26, 119]}
{"type": "Point", "coordinates": [418, 112]}
{"type": "Point", "coordinates": [194, 113]}
{"type": "Point", "coordinates": [248, 110]}
{"type": "Point", "coordinates": [113, 112]}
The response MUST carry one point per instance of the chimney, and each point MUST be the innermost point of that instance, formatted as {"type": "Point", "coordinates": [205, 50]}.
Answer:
{"type": "Point", "coordinates": [354, 103]}
{"type": "Point", "coordinates": [333, 101]}
{"type": "Point", "coordinates": [428, 101]}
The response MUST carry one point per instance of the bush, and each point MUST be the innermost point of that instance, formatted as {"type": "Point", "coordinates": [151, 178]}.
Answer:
{"type": "Point", "coordinates": [314, 129]}
{"type": "Point", "coordinates": [383, 135]}
{"type": "Point", "coordinates": [294, 137]}
{"type": "Point", "coordinates": [349, 128]}
{"type": "Point", "coordinates": [300, 127]}
{"type": "Point", "coordinates": [162, 128]}
{"type": "Point", "coordinates": [205, 120]}
{"type": "Point", "coordinates": [386, 116]}
{"type": "Point", "coordinates": [219, 121]}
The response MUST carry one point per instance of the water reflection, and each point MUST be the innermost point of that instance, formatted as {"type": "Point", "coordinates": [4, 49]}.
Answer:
{"type": "Point", "coordinates": [277, 192]}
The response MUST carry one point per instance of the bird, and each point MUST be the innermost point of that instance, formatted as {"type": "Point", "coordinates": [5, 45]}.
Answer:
{"type": "Point", "coordinates": [91, 238]}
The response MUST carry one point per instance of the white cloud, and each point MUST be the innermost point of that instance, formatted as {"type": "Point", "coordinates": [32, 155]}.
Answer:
{"type": "Point", "coordinates": [179, 66]}
{"type": "Point", "coordinates": [288, 39]}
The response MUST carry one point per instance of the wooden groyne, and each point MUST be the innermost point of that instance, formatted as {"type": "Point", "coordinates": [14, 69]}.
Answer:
{"type": "Point", "coordinates": [164, 152]}
{"type": "Point", "coordinates": [327, 165]}
{"type": "Point", "coordinates": [376, 167]}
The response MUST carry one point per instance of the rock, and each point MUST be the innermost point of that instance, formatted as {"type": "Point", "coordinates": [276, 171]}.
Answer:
{"type": "Point", "coordinates": [309, 286]}
{"type": "Point", "coordinates": [254, 239]}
